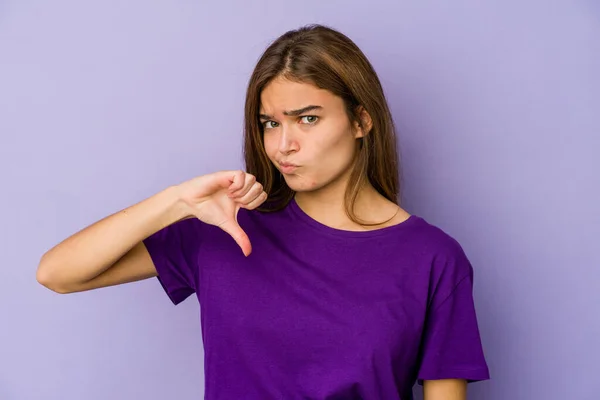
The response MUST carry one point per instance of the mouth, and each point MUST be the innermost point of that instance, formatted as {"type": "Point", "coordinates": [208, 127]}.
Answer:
{"type": "Point", "coordinates": [287, 168]}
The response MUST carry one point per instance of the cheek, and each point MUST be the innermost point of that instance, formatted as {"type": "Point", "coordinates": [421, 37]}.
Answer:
{"type": "Point", "coordinates": [335, 151]}
{"type": "Point", "coordinates": [270, 146]}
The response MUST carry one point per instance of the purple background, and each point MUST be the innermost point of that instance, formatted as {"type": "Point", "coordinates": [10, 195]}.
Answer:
{"type": "Point", "coordinates": [103, 103]}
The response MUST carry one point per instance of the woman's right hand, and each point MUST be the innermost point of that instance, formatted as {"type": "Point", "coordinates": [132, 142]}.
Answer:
{"type": "Point", "coordinates": [111, 251]}
{"type": "Point", "coordinates": [216, 199]}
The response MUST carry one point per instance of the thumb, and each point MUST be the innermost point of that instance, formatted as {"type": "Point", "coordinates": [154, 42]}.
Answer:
{"type": "Point", "coordinates": [237, 233]}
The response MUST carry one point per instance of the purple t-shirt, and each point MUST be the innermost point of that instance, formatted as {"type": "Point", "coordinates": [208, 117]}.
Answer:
{"type": "Point", "coordinates": [320, 313]}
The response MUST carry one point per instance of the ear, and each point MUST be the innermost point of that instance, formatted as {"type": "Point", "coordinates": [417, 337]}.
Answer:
{"type": "Point", "coordinates": [365, 125]}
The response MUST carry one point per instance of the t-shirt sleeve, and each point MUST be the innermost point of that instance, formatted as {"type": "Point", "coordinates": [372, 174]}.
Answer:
{"type": "Point", "coordinates": [174, 251]}
{"type": "Point", "coordinates": [452, 347]}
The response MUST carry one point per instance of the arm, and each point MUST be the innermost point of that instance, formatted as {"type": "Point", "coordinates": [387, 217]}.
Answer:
{"type": "Point", "coordinates": [451, 351]}
{"type": "Point", "coordinates": [110, 251]}
{"type": "Point", "coordinates": [445, 389]}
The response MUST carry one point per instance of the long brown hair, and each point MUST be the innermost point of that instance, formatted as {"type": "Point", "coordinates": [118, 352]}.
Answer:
{"type": "Point", "coordinates": [328, 59]}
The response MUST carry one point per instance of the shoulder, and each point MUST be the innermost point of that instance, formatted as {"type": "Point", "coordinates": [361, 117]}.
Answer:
{"type": "Point", "coordinates": [179, 230]}
{"type": "Point", "coordinates": [445, 255]}
{"type": "Point", "coordinates": [434, 239]}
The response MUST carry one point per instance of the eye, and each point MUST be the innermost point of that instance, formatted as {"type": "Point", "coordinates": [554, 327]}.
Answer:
{"type": "Point", "coordinates": [309, 119]}
{"type": "Point", "coordinates": [270, 124]}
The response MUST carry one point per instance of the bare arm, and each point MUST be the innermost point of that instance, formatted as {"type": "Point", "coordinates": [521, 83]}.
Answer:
{"type": "Point", "coordinates": [445, 389]}
{"type": "Point", "coordinates": [110, 251]}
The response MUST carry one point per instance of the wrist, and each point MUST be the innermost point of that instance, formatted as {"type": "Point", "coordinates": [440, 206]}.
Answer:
{"type": "Point", "coordinates": [177, 208]}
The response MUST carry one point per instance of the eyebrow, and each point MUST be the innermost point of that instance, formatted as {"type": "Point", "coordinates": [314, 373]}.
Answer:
{"type": "Point", "coordinates": [294, 113]}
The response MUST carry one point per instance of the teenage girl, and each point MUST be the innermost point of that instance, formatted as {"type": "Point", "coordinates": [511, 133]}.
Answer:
{"type": "Point", "coordinates": [313, 283]}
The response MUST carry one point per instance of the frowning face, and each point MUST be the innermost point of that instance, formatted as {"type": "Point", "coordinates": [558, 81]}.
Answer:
{"type": "Point", "coordinates": [307, 134]}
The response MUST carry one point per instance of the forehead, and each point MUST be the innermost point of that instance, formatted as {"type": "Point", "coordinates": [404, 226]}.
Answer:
{"type": "Point", "coordinates": [283, 95]}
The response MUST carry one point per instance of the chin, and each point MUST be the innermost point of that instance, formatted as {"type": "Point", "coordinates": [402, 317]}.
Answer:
{"type": "Point", "coordinates": [300, 184]}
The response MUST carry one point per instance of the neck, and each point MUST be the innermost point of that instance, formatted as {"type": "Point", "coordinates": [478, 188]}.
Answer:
{"type": "Point", "coordinates": [327, 206]}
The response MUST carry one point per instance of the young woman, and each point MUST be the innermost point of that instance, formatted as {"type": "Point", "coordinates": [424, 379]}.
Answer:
{"type": "Point", "coordinates": [337, 292]}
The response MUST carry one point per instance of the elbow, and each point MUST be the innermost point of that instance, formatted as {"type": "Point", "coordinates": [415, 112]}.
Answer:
{"type": "Point", "coordinates": [46, 277]}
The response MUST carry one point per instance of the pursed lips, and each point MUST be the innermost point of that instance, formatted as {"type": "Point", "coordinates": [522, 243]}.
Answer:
{"type": "Point", "coordinates": [287, 167]}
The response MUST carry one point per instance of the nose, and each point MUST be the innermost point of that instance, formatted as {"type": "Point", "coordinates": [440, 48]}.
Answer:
{"type": "Point", "coordinates": [288, 143]}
